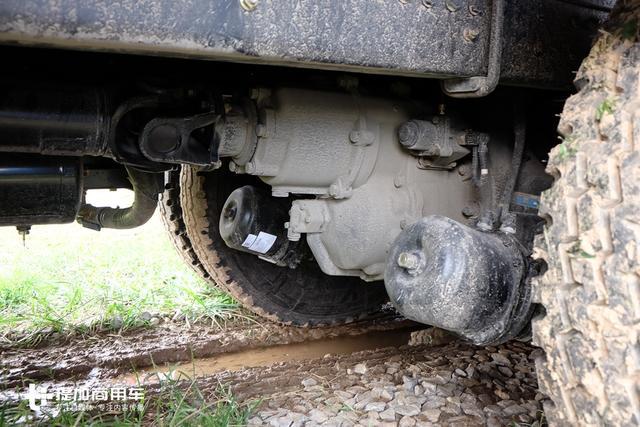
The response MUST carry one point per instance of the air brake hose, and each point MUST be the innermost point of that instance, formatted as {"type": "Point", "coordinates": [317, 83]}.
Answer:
{"type": "Point", "coordinates": [507, 219]}
{"type": "Point", "coordinates": [146, 186]}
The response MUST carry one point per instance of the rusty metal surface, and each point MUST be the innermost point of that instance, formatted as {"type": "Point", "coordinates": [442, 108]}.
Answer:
{"type": "Point", "coordinates": [544, 39]}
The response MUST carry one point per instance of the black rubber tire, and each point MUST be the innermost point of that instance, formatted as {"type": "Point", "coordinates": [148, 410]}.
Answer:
{"type": "Point", "coordinates": [591, 291]}
{"type": "Point", "coordinates": [303, 296]}
{"type": "Point", "coordinates": [171, 215]}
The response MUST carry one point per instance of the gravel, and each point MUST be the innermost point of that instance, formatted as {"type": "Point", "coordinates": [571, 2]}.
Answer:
{"type": "Point", "coordinates": [453, 385]}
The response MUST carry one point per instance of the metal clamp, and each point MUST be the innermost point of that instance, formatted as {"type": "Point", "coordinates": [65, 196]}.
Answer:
{"type": "Point", "coordinates": [479, 86]}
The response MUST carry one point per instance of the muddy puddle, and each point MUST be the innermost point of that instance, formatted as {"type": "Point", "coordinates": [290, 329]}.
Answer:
{"type": "Point", "coordinates": [167, 345]}
{"type": "Point", "coordinates": [269, 355]}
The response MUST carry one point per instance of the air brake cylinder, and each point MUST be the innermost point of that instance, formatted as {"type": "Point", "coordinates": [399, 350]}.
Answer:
{"type": "Point", "coordinates": [443, 273]}
{"type": "Point", "coordinates": [252, 221]}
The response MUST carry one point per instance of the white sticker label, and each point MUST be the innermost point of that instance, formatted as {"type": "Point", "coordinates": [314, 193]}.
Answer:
{"type": "Point", "coordinates": [260, 243]}
{"type": "Point", "coordinates": [249, 240]}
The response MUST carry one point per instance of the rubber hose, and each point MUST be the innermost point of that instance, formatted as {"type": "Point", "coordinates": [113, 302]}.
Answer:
{"type": "Point", "coordinates": [146, 187]}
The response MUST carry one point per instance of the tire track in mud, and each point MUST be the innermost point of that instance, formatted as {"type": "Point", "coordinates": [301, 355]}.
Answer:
{"type": "Point", "coordinates": [310, 377]}
{"type": "Point", "coordinates": [409, 385]}
{"type": "Point", "coordinates": [167, 343]}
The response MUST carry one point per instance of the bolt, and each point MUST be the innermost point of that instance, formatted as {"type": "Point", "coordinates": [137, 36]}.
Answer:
{"type": "Point", "coordinates": [249, 5]}
{"type": "Point", "coordinates": [452, 6]}
{"type": "Point", "coordinates": [354, 136]}
{"type": "Point", "coordinates": [408, 134]}
{"type": "Point", "coordinates": [470, 34]}
{"type": "Point", "coordinates": [427, 3]}
{"type": "Point", "coordinates": [333, 190]}
{"type": "Point", "coordinates": [473, 10]}
{"type": "Point", "coordinates": [469, 211]}
{"type": "Point", "coordinates": [23, 230]}
{"type": "Point", "coordinates": [261, 130]}
{"type": "Point", "coordinates": [408, 260]}
{"type": "Point", "coordinates": [250, 168]}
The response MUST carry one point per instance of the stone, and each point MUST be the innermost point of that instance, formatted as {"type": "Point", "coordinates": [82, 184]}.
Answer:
{"type": "Point", "coordinates": [504, 403]}
{"type": "Point", "coordinates": [452, 409]}
{"type": "Point", "coordinates": [418, 390]}
{"type": "Point", "coordinates": [362, 400]}
{"type": "Point", "coordinates": [485, 399]}
{"type": "Point", "coordinates": [514, 410]}
{"type": "Point", "coordinates": [373, 415]}
{"type": "Point", "coordinates": [470, 371]}
{"type": "Point", "coordinates": [500, 359]}
{"type": "Point", "coordinates": [505, 371]}
{"type": "Point", "coordinates": [375, 406]}
{"type": "Point", "coordinates": [350, 402]}
{"type": "Point", "coordinates": [281, 422]}
{"type": "Point", "coordinates": [502, 394]}
{"type": "Point", "coordinates": [524, 418]}
{"type": "Point", "coordinates": [434, 402]}
{"type": "Point", "coordinates": [344, 395]}
{"type": "Point", "coordinates": [318, 416]}
{"type": "Point", "coordinates": [406, 422]}
{"type": "Point", "coordinates": [309, 382]}
{"type": "Point", "coordinates": [445, 390]}
{"type": "Point", "coordinates": [364, 396]}
{"type": "Point", "coordinates": [255, 421]}
{"type": "Point", "coordinates": [409, 383]}
{"type": "Point", "coordinates": [492, 410]}
{"type": "Point", "coordinates": [388, 415]}
{"type": "Point", "coordinates": [382, 394]}
{"type": "Point", "coordinates": [461, 421]}
{"type": "Point", "coordinates": [429, 386]}
{"type": "Point", "coordinates": [409, 410]}
{"type": "Point", "coordinates": [360, 368]}
{"type": "Point", "coordinates": [432, 415]}
{"type": "Point", "coordinates": [459, 372]}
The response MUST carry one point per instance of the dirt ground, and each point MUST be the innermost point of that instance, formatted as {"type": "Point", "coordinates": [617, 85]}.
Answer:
{"type": "Point", "coordinates": [385, 372]}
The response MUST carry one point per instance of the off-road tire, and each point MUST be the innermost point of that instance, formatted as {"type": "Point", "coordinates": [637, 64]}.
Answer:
{"type": "Point", "coordinates": [303, 296]}
{"type": "Point", "coordinates": [171, 215]}
{"type": "Point", "coordinates": [591, 242]}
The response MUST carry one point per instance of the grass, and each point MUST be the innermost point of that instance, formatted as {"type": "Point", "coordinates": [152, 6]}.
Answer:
{"type": "Point", "coordinates": [70, 279]}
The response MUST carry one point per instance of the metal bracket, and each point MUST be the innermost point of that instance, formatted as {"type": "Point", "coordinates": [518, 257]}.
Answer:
{"type": "Point", "coordinates": [479, 86]}
{"type": "Point", "coordinates": [173, 140]}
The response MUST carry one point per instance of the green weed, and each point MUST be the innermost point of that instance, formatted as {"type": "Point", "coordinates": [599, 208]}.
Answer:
{"type": "Point", "coordinates": [606, 107]}
{"type": "Point", "coordinates": [68, 279]}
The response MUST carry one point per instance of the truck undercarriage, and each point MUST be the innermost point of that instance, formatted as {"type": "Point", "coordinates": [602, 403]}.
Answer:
{"type": "Point", "coordinates": [344, 170]}
{"type": "Point", "coordinates": [306, 151]}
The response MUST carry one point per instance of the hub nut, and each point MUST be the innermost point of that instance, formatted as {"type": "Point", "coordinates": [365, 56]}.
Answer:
{"type": "Point", "coordinates": [409, 260]}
